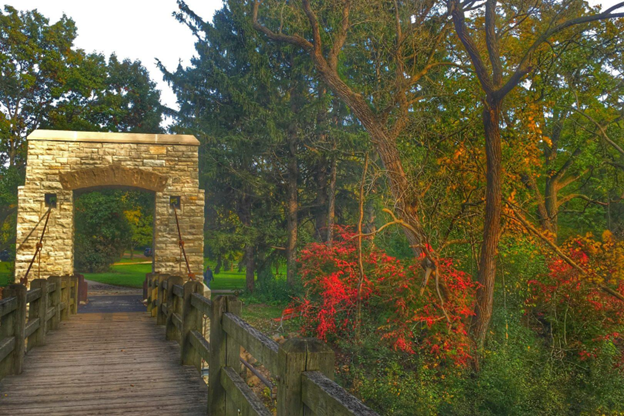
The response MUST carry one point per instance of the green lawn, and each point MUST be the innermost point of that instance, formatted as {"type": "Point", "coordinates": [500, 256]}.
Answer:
{"type": "Point", "coordinates": [133, 275]}
{"type": "Point", "coordinates": [6, 275]}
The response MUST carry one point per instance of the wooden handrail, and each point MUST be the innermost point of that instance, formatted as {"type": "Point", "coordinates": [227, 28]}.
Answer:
{"type": "Point", "coordinates": [26, 317]}
{"type": "Point", "coordinates": [303, 368]}
{"type": "Point", "coordinates": [261, 347]}
{"type": "Point", "coordinates": [7, 306]}
{"type": "Point", "coordinates": [323, 396]}
{"type": "Point", "coordinates": [178, 291]}
{"type": "Point", "coordinates": [202, 304]}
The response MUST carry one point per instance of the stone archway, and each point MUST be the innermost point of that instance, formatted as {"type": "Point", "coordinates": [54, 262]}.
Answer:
{"type": "Point", "coordinates": [61, 162]}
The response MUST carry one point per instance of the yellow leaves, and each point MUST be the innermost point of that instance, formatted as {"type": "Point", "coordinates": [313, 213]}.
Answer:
{"type": "Point", "coordinates": [133, 215]}
{"type": "Point", "coordinates": [547, 140]}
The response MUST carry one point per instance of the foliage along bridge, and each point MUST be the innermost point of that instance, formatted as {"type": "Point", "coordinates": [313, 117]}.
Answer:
{"type": "Point", "coordinates": [55, 363]}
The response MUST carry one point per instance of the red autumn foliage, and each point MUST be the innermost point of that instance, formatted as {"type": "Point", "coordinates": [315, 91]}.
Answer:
{"type": "Point", "coordinates": [392, 305]}
{"type": "Point", "coordinates": [579, 317]}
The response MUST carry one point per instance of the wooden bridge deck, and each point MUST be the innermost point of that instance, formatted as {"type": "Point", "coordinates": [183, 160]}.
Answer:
{"type": "Point", "coordinates": [105, 364]}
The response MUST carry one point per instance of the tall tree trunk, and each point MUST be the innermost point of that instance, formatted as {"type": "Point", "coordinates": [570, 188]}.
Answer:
{"type": "Point", "coordinates": [217, 269]}
{"type": "Point", "coordinates": [331, 207]}
{"type": "Point", "coordinates": [292, 209]}
{"type": "Point", "coordinates": [321, 200]}
{"type": "Point", "coordinates": [250, 269]}
{"type": "Point", "coordinates": [492, 225]}
{"type": "Point", "coordinates": [244, 214]}
{"type": "Point", "coordinates": [552, 204]}
{"type": "Point", "coordinates": [405, 195]}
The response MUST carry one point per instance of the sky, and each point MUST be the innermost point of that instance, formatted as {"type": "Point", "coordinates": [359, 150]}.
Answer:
{"type": "Point", "coordinates": [138, 29]}
{"type": "Point", "coordinates": [134, 29]}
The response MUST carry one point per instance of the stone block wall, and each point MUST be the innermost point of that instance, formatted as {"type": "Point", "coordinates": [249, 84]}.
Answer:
{"type": "Point", "coordinates": [63, 162]}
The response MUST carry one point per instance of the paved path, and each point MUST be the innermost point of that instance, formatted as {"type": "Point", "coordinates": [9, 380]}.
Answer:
{"type": "Point", "coordinates": [105, 364]}
{"type": "Point", "coordinates": [105, 298]}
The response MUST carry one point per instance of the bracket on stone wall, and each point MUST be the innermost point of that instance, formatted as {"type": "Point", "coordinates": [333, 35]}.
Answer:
{"type": "Point", "coordinates": [50, 200]}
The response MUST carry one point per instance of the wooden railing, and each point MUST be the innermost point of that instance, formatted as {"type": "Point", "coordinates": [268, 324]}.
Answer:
{"type": "Point", "coordinates": [27, 316]}
{"type": "Point", "coordinates": [303, 368]}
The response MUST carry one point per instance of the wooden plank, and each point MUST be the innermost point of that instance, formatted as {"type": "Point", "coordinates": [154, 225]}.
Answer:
{"type": "Point", "coordinates": [326, 398]}
{"type": "Point", "coordinates": [8, 305]}
{"type": "Point", "coordinates": [178, 290]}
{"type": "Point", "coordinates": [200, 344]}
{"type": "Point", "coordinates": [50, 313]}
{"type": "Point", "coordinates": [14, 363]}
{"type": "Point", "coordinates": [51, 287]}
{"type": "Point", "coordinates": [261, 347]}
{"type": "Point", "coordinates": [31, 327]}
{"type": "Point", "coordinates": [38, 310]}
{"type": "Point", "coordinates": [216, 392]}
{"type": "Point", "coordinates": [192, 320]}
{"type": "Point", "coordinates": [245, 401]}
{"type": "Point", "coordinates": [203, 304]}
{"type": "Point", "coordinates": [233, 350]}
{"type": "Point", "coordinates": [55, 301]}
{"type": "Point", "coordinates": [113, 364]}
{"type": "Point", "coordinates": [174, 307]}
{"type": "Point", "coordinates": [177, 321]}
{"type": "Point", "coordinates": [66, 298]}
{"type": "Point", "coordinates": [6, 347]}
{"type": "Point", "coordinates": [32, 295]}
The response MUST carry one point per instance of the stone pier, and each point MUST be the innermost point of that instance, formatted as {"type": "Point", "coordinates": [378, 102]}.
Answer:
{"type": "Point", "coordinates": [61, 162]}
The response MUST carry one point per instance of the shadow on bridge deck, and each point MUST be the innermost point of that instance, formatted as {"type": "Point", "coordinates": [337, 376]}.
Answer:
{"type": "Point", "coordinates": [106, 364]}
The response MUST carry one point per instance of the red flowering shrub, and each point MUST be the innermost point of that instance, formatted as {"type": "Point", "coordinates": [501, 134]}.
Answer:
{"type": "Point", "coordinates": [574, 310]}
{"type": "Point", "coordinates": [392, 304]}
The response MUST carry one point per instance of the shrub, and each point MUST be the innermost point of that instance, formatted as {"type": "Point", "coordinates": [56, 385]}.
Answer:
{"type": "Point", "coordinates": [390, 300]}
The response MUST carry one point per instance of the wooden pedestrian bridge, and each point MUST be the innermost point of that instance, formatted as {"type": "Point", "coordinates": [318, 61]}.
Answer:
{"type": "Point", "coordinates": [54, 361]}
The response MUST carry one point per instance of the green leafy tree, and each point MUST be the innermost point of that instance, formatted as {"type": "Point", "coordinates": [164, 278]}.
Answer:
{"type": "Point", "coordinates": [102, 230]}
{"type": "Point", "coordinates": [256, 111]}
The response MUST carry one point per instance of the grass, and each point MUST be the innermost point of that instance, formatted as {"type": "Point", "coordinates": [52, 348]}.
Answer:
{"type": "Point", "coordinates": [6, 273]}
{"type": "Point", "coordinates": [131, 274]}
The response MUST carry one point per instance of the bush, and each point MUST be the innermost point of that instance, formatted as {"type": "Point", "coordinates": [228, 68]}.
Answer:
{"type": "Point", "coordinates": [388, 298]}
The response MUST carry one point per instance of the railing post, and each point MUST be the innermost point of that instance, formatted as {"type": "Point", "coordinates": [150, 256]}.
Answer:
{"type": "Point", "coordinates": [150, 296]}
{"type": "Point", "coordinates": [55, 300]}
{"type": "Point", "coordinates": [16, 324]}
{"type": "Point", "coordinates": [233, 306]}
{"type": "Point", "coordinates": [65, 297]}
{"type": "Point", "coordinates": [74, 294]}
{"type": "Point", "coordinates": [39, 309]}
{"type": "Point", "coordinates": [296, 356]}
{"type": "Point", "coordinates": [161, 319]}
{"type": "Point", "coordinates": [191, 320]}
{"type": "Point", "coordinates": [218, 356]}
{"type": "Point", "coordinates": [224, 351]}
{"type": "Point", "coordinates": [173, 306]}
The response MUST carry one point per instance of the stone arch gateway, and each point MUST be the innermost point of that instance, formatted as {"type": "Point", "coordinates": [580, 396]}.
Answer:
{"type": "Point", "coordinates": [61, 162]}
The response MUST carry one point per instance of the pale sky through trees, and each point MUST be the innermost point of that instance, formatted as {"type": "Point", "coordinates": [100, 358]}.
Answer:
{"type": "Point", "coordinates": [137, 29]}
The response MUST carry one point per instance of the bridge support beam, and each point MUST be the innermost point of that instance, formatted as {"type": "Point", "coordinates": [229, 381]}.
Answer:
{"type": "Point", "coordinates": [296, 356]}
{"type": "Point", "coordinates": [39, 309]}
{"type": "Point", "coordinates": [55, 301]}
{"type": "Point", "coordinates": [191, 321]}
{"type": "Point", "coordinates": [174, 307]}
{"type": "Point", "coordinates": [14, 325]}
